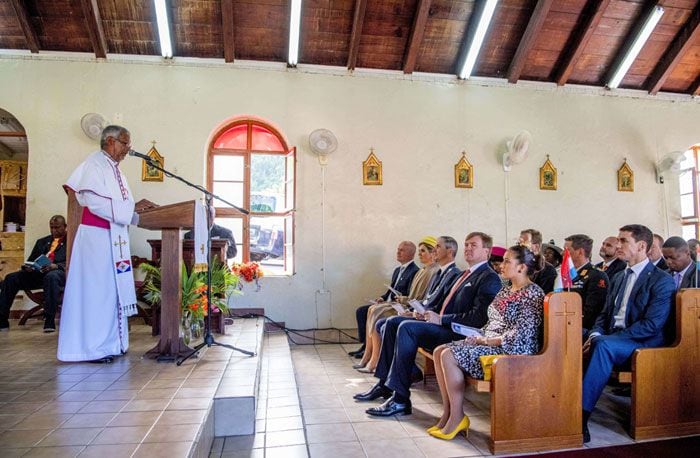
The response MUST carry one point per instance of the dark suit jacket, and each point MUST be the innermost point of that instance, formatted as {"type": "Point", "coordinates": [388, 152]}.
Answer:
{"type": "Point", "coordinates": [471, 301]}
{"type": "Point", "coordinates": [662, 264]}
{"type": "Point", "coordinates": [648, 308]}
{"type": "Point", "coordinates": [545, 278]}
{"type": "Point", "coordinates": [43, 245]}
{"type": "Point", "coordinates": [690, 280]}
{"type": "Point", "coordinates": [592, 285]}
{"type": "Point", "coordinates": [440, 290]}
{"type": "Point", "coordinates": [403, 284]}
{"type": "Point", "coordinates": [616, 266]}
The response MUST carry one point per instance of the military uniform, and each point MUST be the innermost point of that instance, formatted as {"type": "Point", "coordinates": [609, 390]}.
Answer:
{"type": "Point", "coordinates": [618, 265]}
{"type": "Point", "coordinates": [592, 285]}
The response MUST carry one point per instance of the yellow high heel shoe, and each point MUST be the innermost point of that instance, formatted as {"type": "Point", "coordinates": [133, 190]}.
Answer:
{"type": "Point", "coordinates": [433, 428]}
{"type": "Point", "coordinates": [462, 426]}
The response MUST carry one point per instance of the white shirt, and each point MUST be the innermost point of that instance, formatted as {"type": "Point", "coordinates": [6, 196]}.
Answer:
{"type": "Point", "coordinates": [636, 272]}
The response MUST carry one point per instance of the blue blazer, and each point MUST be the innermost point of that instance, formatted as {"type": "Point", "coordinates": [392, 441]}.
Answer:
{"type": "Point", "coordinates": [648, 308]}
{"type": "Point", "coordinates": [403, 284]}
{"type": "Point", "coordinates": [440, 287]}
{"type": "Point", "coordinates": [471, 301]}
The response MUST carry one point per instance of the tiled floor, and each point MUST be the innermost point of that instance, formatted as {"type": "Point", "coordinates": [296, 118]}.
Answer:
{"type": "Point", "coordinates": [133, 407]}
{"type": "Point", "coordinates": [324, 421]}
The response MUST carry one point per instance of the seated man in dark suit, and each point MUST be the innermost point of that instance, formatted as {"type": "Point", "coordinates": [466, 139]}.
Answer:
{"type": "Point", "coordinates": [591, 283]}
{"type": "Point", "coordinates": [220, 232]}
{"type": "Point", "coordinates": [466, 303]}
{"type": "Point", "coordinates": [608, 251]}
{"type": "Point", "coordinates": [680, 265]}
{"type": "Point", "coordinates": [545, 278]}
{"type": "Point", "coordinates": [51, 277]}
{"type": "Point", "coordinates": [635, 315]}
{"type": "Point", "coordinates": [401, 280]}
{"type": "Point", "coordinates": [656, 256]}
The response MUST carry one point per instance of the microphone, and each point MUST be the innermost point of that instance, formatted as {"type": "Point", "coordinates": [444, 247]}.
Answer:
{"type": "Point", "coordinates": [142, 156]}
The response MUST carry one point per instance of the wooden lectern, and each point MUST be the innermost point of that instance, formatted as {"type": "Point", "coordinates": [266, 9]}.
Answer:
{"type": "Point", "coordinates": [169, 219]}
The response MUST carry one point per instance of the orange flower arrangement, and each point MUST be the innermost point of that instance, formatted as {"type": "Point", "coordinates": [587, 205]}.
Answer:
{"type": "Point", "coordinates": [249, 272]}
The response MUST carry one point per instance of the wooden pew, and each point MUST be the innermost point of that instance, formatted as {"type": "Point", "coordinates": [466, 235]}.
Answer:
{"type": "Point", "coordinates": [666, 381]}
{"type": "Point", "coordinates": [536, 399]}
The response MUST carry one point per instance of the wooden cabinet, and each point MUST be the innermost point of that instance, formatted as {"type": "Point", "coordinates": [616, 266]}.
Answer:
{"type": "Point", "coordinates": [13, 189]}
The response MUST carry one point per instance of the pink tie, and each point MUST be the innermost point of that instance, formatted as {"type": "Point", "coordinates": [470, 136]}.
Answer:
{"type": "Point", "coordinates": [454, 289]}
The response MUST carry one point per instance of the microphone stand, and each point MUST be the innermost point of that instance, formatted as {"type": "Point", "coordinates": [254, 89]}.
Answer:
{"type": "Point", "coordinates": [209, 197]}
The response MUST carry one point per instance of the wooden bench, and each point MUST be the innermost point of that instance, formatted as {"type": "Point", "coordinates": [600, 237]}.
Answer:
{"type": "Point", "coordinates": [536, 399]}
{"type": "Point", "coordinates": [666, 381]}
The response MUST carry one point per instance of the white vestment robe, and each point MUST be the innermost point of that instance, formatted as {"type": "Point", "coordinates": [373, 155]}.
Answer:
{"type": "Point", "coordinates": [99, 294]}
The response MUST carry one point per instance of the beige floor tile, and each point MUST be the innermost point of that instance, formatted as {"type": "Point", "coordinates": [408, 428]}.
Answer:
{"type": "Point", "coordinates": [73, 436]}
{"type": "Point", "coordinates": [116, 395]}
{"type": "Point", "coordinates": [254, 453]}
{"type": "Point", "coordinates": [121, 435]}
{"type": "Point", "coordinates": [292, 451]}
{"type": "Point", "coordinates": [143, 405]}
{"type": "Point", "coordinates": [13, 452]}
{"type": "Point", "coordinates": [172, 433]}
{"type": "Point", "coordinates": [339, 432]}
{"type": "Point", "coordinates": [316, 416]}
{"type": "Point", "coordinates": [42, 421]}
{"type": "Point", "coordinates": [163, 383]}
{"type": "Point", "coordinates": [189, 404]}
{"type": "Point", "coordinates": [78, 396]}
{"type": "Point", "coordinates": [103, 406]}
{"type": "Point", "coordinates": [437, 448]}
{"type": "Point", "coordinates": [283, 424]}
{"type": "Point", "coordinates": [21, 438]}
{"type": "Point", "coordinates": [281, 412]}
{"type": "Point", "coordinates": [156, 393]}
{"type": "Point", "coordinates": [392, 448]}
{"type": "Point", "coordinates": [36, 396]}
{"type": "Point", "coordinates": [8, 421]}
{"type": "Point", "coordinates": [284, 438]}
{"type": "Point", "coordinates": [62, 407]}
{"type": "Point", "coordinates": [181, 417]}
{"type": "Point", "coordinates": [163, 450]}
{"type": "Point", "coordinates": [54, 452]}
{"type": "Point", "coordinates": [22, 407]}
{"type": "Point", "coordinates": [88, 420]}
{"type": "Point", "coordinates": [108, 451]}
{"type": "Point", "coordinates": [336, 450]}
{"type": "Point", "coordinates": [371, 431]}
{"type": "Point", "coordinates": [135, 418]}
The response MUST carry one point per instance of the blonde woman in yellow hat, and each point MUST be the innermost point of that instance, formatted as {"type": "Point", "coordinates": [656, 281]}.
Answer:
{"type": "Point", "coordinates": [418, 290]}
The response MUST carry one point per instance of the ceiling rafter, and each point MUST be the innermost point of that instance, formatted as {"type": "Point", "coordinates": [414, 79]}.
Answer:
{"type": "Point", "coordinates": [227, 24]}
{"type": "Point", "coordinates": [93, 20]}
{"type": "Point", "coordinates": [26, 25]}
{"type": "Point", "coordinates": [582, 35]}
{"type": "Point", "coordinates": [357, 23]}
{"type": "Point", "coordinates": [420, 20]}
{"type": "Point", "coordinates": [695, 88]}
{"type": "Point", "coordinates": [13, 134]}
{"type": "Point", "coordinates": [681, 44]}
{"type": "Point", "coordinates": [528, 40]}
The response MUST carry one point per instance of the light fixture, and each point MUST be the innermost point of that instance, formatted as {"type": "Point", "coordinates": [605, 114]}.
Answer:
{"type": "Point", "coordinates": [294, 26]}
{"type": "Point", "coordinates": [166, 48]}
{"type": "Point", "coordinates": [477, 41]}
{"type": "Point", "coordinates": [641, 38]}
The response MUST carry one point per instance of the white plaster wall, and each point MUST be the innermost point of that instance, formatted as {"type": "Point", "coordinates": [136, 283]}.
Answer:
{"type": "Point", "coordinates": [418, 130]}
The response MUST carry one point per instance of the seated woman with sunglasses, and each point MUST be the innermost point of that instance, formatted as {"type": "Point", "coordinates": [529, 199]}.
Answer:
{"type": "Point", "coordinates": [515, 318]}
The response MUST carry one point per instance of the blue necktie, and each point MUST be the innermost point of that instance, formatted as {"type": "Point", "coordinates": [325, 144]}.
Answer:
{"type": "Point", "coordinates": [677, 278]}
{"type": "Point", "coordinates": [621, 294]}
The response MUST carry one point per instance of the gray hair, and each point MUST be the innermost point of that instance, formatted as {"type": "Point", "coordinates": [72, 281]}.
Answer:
{"type": "Point", "coordinates": [450, 243]}
{"type": "Point", "coordinates": [113, 131]}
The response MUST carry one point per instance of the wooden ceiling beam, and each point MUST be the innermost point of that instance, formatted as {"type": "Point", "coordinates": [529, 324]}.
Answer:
{"type": "Point", "coordinates": [420, 20]}
{"type": "Point", "coordinates": [529, 38]}
{"type": "Point", "coordinates": [582, 36]}
{"type": "Point", "coordinates": [695, 88]}
{"type": "Point", "coordinates": [681, 44]}
{"type": "Point", "coordinates": [357, 23]}
{"type": "Point", "coordinates": [93, 20]}
{"type": "Point", "coordinates": [227, 23]}
{"type": "Point", "coordinates": [26, 25]}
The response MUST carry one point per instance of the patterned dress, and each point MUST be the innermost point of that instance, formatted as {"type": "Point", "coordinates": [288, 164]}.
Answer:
{"type": "Point", "coordinates": [516, 317]}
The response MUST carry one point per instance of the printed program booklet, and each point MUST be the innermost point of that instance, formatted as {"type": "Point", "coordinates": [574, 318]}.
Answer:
{"type": "Point", "coordinates": [39, 263]}
{"type": "Point", "coordinates": [466, 331]}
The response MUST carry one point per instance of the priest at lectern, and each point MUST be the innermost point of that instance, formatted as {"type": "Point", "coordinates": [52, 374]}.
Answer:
{"type": "Point", "coordinates": [99, 294]}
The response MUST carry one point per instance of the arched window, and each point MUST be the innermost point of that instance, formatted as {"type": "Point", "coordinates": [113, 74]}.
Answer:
{"type": "Point", "coordinates": [690, 194]}
{"type": "Point", "coordinates": [251, 166]}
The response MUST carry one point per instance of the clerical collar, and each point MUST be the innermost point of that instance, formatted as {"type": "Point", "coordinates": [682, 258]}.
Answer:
{"type": "Point", "coordinates": [110, 158]}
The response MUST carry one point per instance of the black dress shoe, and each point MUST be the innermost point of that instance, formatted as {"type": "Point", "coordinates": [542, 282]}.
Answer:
{"type": "Point", "coordinates": [105, 360]}
{"type": "Point", "coordinates": [359, 355]}
{"type": "Point", "coordinates": [359, 350]}
{"type": "Point", "coordinates": [376, 392]}
{"type": "Point", "coordinates": [586, 434]}
{"type": "Point", "coordinates": [391, 408]}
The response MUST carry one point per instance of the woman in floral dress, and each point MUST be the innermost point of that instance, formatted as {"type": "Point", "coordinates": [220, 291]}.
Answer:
{"type": "Point", "coordinates": [515, 318]}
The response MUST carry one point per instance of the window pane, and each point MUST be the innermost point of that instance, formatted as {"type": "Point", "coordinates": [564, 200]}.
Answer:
{"type": "Point", "coordinates": [228, 168]}
{"type": "Point", "coordinates": [264, 140]}
{"type": "Point", "coordinates": [267, 243]}
{"type": "Point", "coordinates": [687, 206]}
{"type": "Point", "coordinates": [235, 225]}
{"type": "Point", "coordinates": [233, 192]}
{"type": "Point", "coordinates": [688, 231]}
{"type": "Point", "coordinates": [688, 160]}
{"type": "Point", "coordinates": [266, 182]}
{"type": "Point", "coordinates": [234, 138]}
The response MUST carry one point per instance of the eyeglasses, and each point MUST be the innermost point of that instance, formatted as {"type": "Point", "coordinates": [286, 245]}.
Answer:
{"type": "Point", "coordinates": [127, 144]}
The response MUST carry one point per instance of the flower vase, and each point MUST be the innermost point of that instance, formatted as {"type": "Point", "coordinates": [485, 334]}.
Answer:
{"type": "Point", "coordinates": [196, 328]}
{"type": "Point", "coordinates": [186, 328]}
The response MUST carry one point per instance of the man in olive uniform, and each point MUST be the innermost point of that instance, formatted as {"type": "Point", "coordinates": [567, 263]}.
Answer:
{"type": "Point", "coordinates": [590, 283]}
